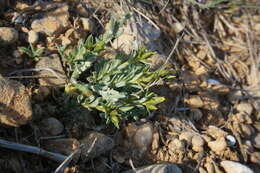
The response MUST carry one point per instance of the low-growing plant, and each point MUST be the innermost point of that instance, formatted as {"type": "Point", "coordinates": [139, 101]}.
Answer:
{"type": "Point", "coordinates": [32, 52]}
{"type": "Point", "coordinates": [119, 88]}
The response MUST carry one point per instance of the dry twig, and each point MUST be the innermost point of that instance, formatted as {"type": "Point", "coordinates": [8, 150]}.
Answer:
{"type": "Point", "coordinates": [32, 149]}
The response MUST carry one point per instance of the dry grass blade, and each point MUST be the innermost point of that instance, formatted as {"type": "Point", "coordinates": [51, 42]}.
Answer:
{"type": "Point", "coordinates": [66, 162]}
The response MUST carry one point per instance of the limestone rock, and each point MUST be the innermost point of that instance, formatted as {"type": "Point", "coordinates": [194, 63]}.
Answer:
{"type": "Point", "coordinates": [256, 141]}
{"type": "Point", "coordinates": [245, 108]}
{"type": "Point", "coordinates": [88, 24]}
{"type": "Point", "coordinates": [124, 43]}
{"type": "Point", "coordinates": [62, 146]}
{"type": "Point", "coordinates": [101, 145]}
{"type": "Point", "coordinates": [216, 132]}
{"type": "Point", "coordinates": [51, 126]}
{"type": "Point", "coordinates": [143, 137]}
{"type": "Point", "coordinates": [52, 22]}
{"type": "Point", "coordinates": [235, 167]}
{"type": "Point", "coordinates": [8, 35]}
{"type": "Point", "coordinates": [15, 104]}
{"type": "Point", "coordinates": [53, 63]}
{"type": "Point", "coordinates": [197, 143]}
{"type": "Point", "coordinates": [218, 145]}
{"type": "Point", "coordinates": [33, 36]}
{"type": "Point", "coordinates": [176, 144]}
{"type": "Point", "coordinates": [194, 101]}
{"type": "Point", "coordinates": [157, 168]}
{"type": "Point", "coordinates": [187, 136]}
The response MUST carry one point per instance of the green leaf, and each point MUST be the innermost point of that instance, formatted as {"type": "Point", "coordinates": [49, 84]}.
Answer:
{"type": "Point", "coordinates": [150, 104]}
{"type": "Point", "coordinates": [114, 118]}
{"type": "Point", "coordinates": [99, 46]}
{"type": "Point", "coordinates": [89, 44]}
{"type": "Point", "coordinates": [126, 108]}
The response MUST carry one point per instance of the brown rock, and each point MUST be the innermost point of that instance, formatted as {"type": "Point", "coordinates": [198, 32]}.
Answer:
{"type": "Point", "coordinates": [231, 167]}
{"type": "Point", "coordinates": [63, 146]}
{"type": "Point", "coordinates": [257, 126]}
{"type": "Point", "coordinates": [247, 130]}
{"type": "Point", "coordinates": [41, 93]}
{"type": "Point", "coordinates": [202, 170]}
{"type": "Point", "coordinates": [8, 35]}
{"type": "Point", "coordinates": [245, 108]}
{"type": "Point", "coordinates": [157, 168]}
{"type": "Point", "coordinates": [101, 145]}
{"type": "Point", "coordinates": [218, 145]}
{"type": "Point", "coordinates": [176, 144]}
{"type": "Point", "coordinates": [210, 167]}
{"type": "Point", "coordinates": [256, 141]}
{"type": "Point", "coordinates": [194, 101]}
{"type": "Point", "coordinates": [88, 24]}
{"type": "Point", "coordinates": [216, 132]}
{"type": "Point", "coordinates": [197, 143]}
{"type": "Point", "coordinates": [53, 63]}
{"type": "Point", "coordinates": [242, 118]}
{"type": "Point", "coordinates": [51, 126]}
{"type": "Point", "coordinates": [187, 136]}
{"type": "Point", "coordinates": [124, 43]}
{"type": "Point", "coordinates": [15, 104]}
{"type": "Point", "coordinates": [235, 96]}
{"type": "Point", "coordinates": [196, 114]}
{"type": "Point", "coordinates": [255, 157]}
{"type": "Point", "coordinates": [52, 22]}
{"type": "Point", "coordinates": [82, 11]}
{"type": "Point", "coordinates": [33, 37]}
{"type": "Point", "coordinates": [143, 137]}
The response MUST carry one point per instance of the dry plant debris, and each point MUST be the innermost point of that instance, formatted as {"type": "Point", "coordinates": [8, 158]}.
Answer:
{"type": "Point", "coordinates": [209, 122]}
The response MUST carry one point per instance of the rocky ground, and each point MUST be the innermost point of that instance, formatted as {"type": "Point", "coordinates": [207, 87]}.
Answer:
{"type": "Point", "coordinates": [210, 121]}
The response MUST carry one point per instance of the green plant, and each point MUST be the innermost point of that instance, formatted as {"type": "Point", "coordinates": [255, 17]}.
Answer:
{"type": "Point", "coordinates": [32, 52]}
{"type": "Point", "coordinates": [118, 88]}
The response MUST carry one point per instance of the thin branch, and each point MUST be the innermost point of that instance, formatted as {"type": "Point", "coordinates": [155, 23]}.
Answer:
{"type": "Point", "coordinates": [37, 70]}
{"type": "Point", "coordinates": [32, 149]}
{"type": "Point", "coordinates": [66, 162]}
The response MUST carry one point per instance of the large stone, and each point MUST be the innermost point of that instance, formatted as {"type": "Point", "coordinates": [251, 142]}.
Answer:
{"type": "Point", "coordinates": [218, 146]}
{"type": "Point", "coordinates": [63, 146]}
{"type": "Point", "coordinates": [95, 144]}
{"type": "Point", "coordinates": [124, 43]}
{"type": "Point", "coordinates": [235, 167]}
{"type": "Point", "coordinates": [50, 67]}
{"type": "Point", "coordinates": [157, 168]}
{"type": "Point", "coordinates": [143, 137]}
{"type": "Point", "coordinates": [8, 35]}
{"type": "Point", "coordinates": [194, 101]}
{"type": "Point", "coordinates": [33, 36]}
{"type": "Point", "coordinates": [256, 141]}
{"type": "Point", "coordinates": [15, 104]}
{"type": "Point", "coordinates": [51, 126]}
{"type": "Point", "coordinates": [52, 22]}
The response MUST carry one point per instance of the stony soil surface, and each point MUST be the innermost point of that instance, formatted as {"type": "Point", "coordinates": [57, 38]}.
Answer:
{"type": "Point", "coordinates": [209, 123]}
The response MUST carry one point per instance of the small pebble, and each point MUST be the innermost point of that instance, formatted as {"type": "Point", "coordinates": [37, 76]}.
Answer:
{"type": "Point", "coordinates": [51, 126]}
{"type": "Point", "coordinates": [231, 140]}
{"type": "Point", "coordinates": [216, 132]}
{"type": "Point", "coordinates": [197, 143]}
{"type": "Point", "coordinates": [33, 37]}
{"type": "Point", "coordinates": [194, 101]}
{"type": "Point", "coordinates": [218, 145]}
{"type": "Point", "coordinates": [245, 108]}
{"type": "Point", "coordinates": [256, 141]}
{"type": "Point", "coordinates": [235, 167]}
{"type": "Point", "coordinates": [8, 35]}
{"type": "Point", "coordinates": [187, 137]}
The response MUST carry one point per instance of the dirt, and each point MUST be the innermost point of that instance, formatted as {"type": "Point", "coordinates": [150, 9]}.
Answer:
{"type": "Point", "coordinates": [208, 123]}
